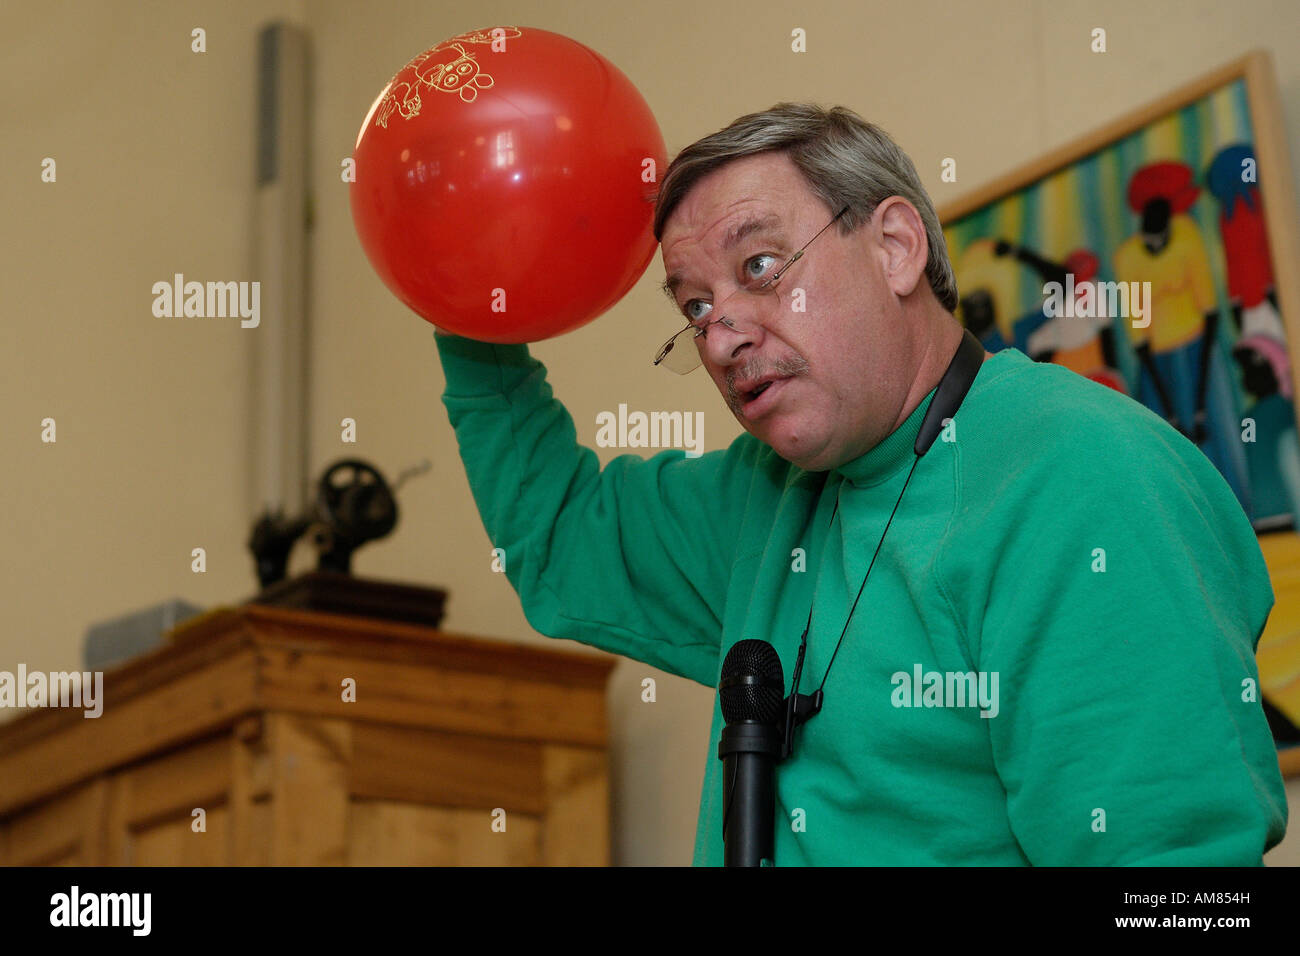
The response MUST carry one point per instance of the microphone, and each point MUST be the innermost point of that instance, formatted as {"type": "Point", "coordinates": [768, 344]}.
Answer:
{"type": "Point", "coordinates": [752, 694]}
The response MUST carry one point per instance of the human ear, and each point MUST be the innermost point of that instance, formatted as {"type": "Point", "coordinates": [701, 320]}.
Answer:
{"type": "Point", "coordinates": [904, 241]}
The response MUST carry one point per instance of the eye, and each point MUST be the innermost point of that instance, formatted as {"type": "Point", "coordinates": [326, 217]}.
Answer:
{"type": "Point", "coordinates": [691, 315]}
{"type": "Point", "coordinates": [750, 273]}
{"type": "Point", "coordinates": [755, 268]}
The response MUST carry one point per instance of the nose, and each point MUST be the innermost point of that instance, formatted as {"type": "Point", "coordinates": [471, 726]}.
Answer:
{"type": "Point", "coordinates": [725, 345]}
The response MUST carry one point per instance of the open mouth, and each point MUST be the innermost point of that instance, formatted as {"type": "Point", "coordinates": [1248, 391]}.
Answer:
{"type": "Point", "coordinates": [758, 400]}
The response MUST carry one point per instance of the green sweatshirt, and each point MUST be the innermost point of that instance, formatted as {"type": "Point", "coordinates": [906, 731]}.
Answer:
{"type": "Point", "coordinates": [1060, 541]}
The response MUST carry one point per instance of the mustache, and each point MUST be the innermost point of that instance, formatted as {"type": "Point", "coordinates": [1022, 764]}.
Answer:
{"type": "Point", "coordinates": [785, 366]}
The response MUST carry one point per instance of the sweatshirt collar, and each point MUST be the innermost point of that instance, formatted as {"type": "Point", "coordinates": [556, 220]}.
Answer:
{"type": "Point", "coordinates": [896, 450]}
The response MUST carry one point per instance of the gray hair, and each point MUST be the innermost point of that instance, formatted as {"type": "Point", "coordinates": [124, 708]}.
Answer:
{"type": "Point", "coordinates": [845, 160]}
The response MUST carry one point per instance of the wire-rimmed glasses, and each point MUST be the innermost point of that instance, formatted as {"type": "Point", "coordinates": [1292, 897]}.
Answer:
{"type": "Point", "coordinates": [678, 356]}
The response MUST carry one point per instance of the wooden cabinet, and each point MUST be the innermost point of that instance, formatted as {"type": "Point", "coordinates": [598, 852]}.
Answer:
{"type": "Point", "coordinates": [450, 751]}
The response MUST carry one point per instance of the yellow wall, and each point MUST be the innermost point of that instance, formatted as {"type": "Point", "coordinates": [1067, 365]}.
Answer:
{"type": "Point", "coordinates": [155, 159]}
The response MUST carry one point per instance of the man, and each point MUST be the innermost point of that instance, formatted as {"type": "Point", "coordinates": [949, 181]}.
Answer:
{"type": "Point", "coordinates": [1059, 546]}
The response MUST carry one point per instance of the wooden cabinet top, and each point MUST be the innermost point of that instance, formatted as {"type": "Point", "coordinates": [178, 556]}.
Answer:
{"type": "Point", "coordinates": [232, 663]}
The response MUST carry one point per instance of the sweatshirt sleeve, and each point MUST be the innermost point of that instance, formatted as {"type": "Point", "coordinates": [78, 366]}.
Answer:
{"type": "Point", "coordinates": [1122, 620]}
{"type": "Point", "coordinates": [633, 558]}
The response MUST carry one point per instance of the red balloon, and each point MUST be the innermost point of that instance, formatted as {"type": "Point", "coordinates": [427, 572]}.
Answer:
{"type": "Point", "coordinates": [505, 184]}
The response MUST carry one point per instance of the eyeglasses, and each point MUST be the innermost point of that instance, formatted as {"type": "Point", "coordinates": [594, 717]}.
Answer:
{"type": "Point", "coordinates": [677, 355]}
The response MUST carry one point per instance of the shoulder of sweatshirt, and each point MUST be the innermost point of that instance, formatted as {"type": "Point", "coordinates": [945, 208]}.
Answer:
{"type": "Point", "coordinates": [1041, 439]}
{"type": "Point", "coordinates": [1055, 456]}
